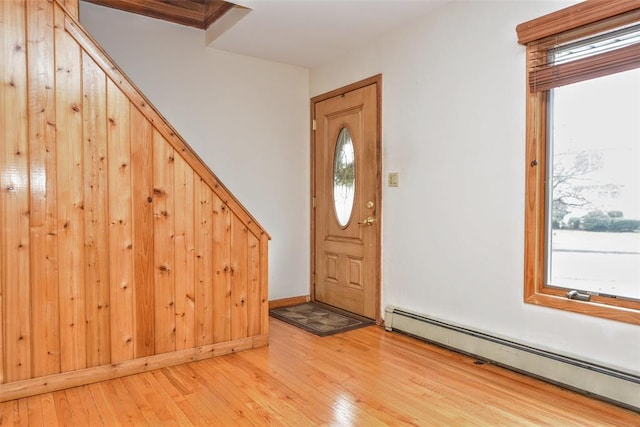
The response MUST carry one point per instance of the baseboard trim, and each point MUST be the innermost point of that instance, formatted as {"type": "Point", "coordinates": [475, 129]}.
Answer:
{"type": "Point", "coordinates": [55, 382]}
{"type": "Point", "coordinates": [287, 302]}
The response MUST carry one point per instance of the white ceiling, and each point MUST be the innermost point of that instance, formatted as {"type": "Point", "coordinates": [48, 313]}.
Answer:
{"type": "Point", "coordinates": [308, 33]}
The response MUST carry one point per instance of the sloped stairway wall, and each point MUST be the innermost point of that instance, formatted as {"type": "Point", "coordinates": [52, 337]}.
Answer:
{"type": "Point", "coordinates": [120, 250]}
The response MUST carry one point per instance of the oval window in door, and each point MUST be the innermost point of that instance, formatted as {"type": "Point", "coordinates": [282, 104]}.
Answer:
{"type": "Point", "coordinates": [344, 177]}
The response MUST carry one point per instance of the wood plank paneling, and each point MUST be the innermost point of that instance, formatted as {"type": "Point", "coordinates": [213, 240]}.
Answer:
{"type": "Point", "coordinates": [70, 199]}
{"type": "Point", "coordinates": [159, 122]}
{"type": "Point", "coordinates": [184, 255]}
{"type": "Point", "coordinates": [239, 277]}
{"type": "Point", "coordinates": [5, 119]}
{"type": "Point", "coordinates": [204, 281]}
{"type": "Point", "coordinates": [96, 223]}
{"type": "Point", "coordinates": [14, 164]}
{"type": "Point", "coordinates": [254, 288]}
{"type": "Point", "coordinates": [163, 243]}
{"type": "Point", "coordinates": [264, 285]}
{"type": "Point", "coordinates": [120, 250]}
{"type": "Point", "coordinates": [42, 177]}
{"type": "Point", "coordinates": [222, 271]}
{"type": "Point", "coordinates": [120, 225]}
{"type": "Point", "coordinates": [142, 169]}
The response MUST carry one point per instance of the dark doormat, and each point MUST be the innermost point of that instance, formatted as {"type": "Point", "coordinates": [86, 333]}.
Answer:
{"type": "Point", "coordinates": [320, 319]}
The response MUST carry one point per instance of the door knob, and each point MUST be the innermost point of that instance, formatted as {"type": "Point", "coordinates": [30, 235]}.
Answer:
{"type": "Point", "coordinates": [368, 221]}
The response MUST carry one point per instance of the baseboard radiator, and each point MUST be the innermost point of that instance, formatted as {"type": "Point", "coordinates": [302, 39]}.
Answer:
{"type": "Point", "coordinates": [621, 388]}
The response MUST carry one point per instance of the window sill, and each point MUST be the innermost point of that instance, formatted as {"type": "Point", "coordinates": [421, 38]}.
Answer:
{"type": "Point", "coordinates": [591, 308]}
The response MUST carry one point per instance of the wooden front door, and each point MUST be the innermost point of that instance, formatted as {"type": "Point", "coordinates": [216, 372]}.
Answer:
{"type": "Point", "coordinates": [346, 183]}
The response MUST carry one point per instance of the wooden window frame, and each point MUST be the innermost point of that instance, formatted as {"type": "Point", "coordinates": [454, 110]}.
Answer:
{"type": "Point", "coordinates": [577, 21]}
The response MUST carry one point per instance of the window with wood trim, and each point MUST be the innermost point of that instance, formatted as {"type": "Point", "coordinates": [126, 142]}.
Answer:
{"type": "Point", "coordinates": [582, 211]}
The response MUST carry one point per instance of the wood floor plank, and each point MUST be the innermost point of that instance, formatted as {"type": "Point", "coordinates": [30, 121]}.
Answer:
{"type": "Point", "coordinates": [267, 406]}
{"type": "Point", "coordinates": [227, 394]}
{"type": "Point", "coordinates": [369, 395]}
{"type": "Point", "coordinates": [181, 400]}
{"type": "Point", "coordinates": [49, 410]}
{"type": "Point", "coordinates": [363, 377]}
{"type": "Point", "coordinates": [82, 408]}
{"type": "Point", "coordinates": [127, 411]}
{"type": "Point", "coordinates": [105, 409]}
{"type": "Point", "coordinates": [10, 414]}
{"type": "Point", "coordinates": [199, 405]}
{"type": "Point", "coordinates": [36, 417]}
{"type": "Point", "coordinates": [86, 401]}
{"type": "Point", "coordinates": [63, 410]}
{"type": "Point", "coordinates": [166, 409]}
{"type": "Point", "coordinates": [136, 388]}
{"type": "Point", "coordinates": [284, 384]}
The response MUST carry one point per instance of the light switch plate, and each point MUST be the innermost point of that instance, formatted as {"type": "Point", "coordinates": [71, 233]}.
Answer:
{"type": "Point", "coordinates": [393, 179]}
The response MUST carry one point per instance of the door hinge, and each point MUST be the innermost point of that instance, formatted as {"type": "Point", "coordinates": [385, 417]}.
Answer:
{"type": "Point", "coordinates": [313, 125]}
{"type": "Point", "coordinates": [313, 202]}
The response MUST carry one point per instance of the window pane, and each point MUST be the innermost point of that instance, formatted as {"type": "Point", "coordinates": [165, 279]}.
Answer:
{"type": "Point", "coordinates": [594, 186]}
{"type": "Point", "coordinates": [344, 177]}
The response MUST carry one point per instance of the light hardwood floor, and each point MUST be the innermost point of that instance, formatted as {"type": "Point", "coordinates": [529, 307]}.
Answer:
{"type": "Point", "coordinates": [366, 377]}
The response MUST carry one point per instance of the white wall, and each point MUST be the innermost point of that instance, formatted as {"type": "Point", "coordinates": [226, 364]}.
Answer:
{"type": "Point", "coordinates": [454, 127]}
{"type": "Point", "coordinates": [246, 118]}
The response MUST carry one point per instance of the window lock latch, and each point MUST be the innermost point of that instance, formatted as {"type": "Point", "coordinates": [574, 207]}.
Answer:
{"type": "Point", "coordinates": [573, 294]}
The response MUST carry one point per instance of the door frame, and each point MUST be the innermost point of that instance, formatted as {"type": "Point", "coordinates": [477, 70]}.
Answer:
{"type": "Point", "coordinates": [374, 80]}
